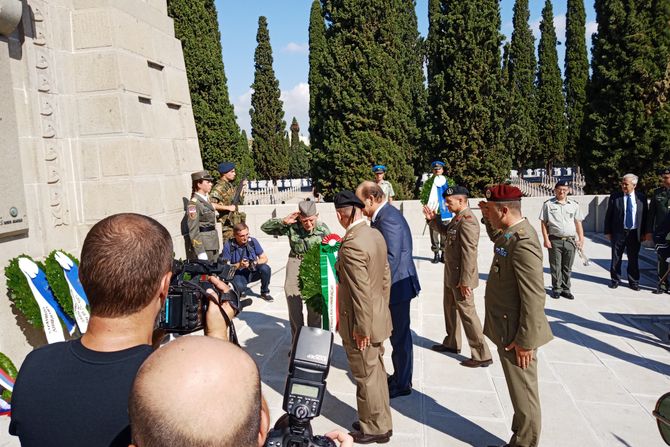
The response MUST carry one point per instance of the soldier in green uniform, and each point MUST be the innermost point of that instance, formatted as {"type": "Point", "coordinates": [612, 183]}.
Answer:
{"type": "Point", "coordinates": [563, 234]}
{"type": "Point", "coordinates": [201, 218]}
{"type": "Point", "coordinates": [514, 300]}
{"type": "Point", "coordinates": [222, 199]}
{"type": "Point", "coordinates": [304, 231]}
{"type": "Point", "coordinates": [659, 208]}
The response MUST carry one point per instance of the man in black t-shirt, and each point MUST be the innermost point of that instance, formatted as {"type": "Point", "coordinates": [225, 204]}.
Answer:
{"type": "Point", "coordinates": [75, 393]}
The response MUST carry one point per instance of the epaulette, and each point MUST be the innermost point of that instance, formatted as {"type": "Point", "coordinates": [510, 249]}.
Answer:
{"type": "Point", "coordinates": [521, 234]}
{"type": "Point", "coordinates": [193, 200]}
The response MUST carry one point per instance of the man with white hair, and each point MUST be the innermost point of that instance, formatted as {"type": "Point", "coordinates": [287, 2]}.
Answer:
{"type": "Point", "coordinates": [625, 223]}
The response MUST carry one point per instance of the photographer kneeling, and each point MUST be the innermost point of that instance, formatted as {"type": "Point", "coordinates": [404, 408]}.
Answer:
{"type": "Point", "coordinates": [75, 393]}
{"type": "Point", "coordinates": [197, 392]}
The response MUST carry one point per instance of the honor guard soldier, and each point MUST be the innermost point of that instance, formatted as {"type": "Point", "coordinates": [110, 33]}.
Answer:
{"type": "Point", "coordinates": [461, 277]}
{"type": "Point", "coordinates": [304, 230]}
{"type": "Point", "coordinates": [201, 218]}
{"type": "Point", "coordinates": [222, 199]}
{"type": "Point", "coordinates": [659, 209]}
{"type": "Point", "coordinates": [515, 298]}
{"type": "Point", "coordinates": [563, 234]}
{"type": "Point", "coordinates": [379, 171]}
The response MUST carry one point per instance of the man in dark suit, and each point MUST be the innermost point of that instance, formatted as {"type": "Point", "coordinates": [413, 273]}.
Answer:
{"type": "Point", "coordinates": [404, 281]}
{"type": "Point", "coordinates": [625, 223]}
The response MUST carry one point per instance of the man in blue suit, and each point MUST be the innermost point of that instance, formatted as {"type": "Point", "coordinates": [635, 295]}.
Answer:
{"type": "Point", "coordinates": [404, 281]}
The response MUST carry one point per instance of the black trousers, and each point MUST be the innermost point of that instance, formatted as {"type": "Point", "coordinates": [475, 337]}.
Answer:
{"type": "Point", "coordinates": [629, 242]}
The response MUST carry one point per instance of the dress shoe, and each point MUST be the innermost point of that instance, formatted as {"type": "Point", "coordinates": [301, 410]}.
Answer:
{"type": "Point", "coordinates": [357, 426]}
{"type": "Point", "coordinates": [436, 258]}
{"type": "Point", "coordinates": [635, 287]}
{"type": "Point", "coordinates": [568, 295]}
{"type": "Point", "coordinates": [441, 348]}
{"type": "Point", "coordinates": [613, 284]}
{"type": "Point", "coordinates": [396, 392]}
{"type": "Point", "coordinates": [267, 297]}
{"type": "Point", "coordinates": [362, 438]}
{"type": "Point", "coordinates": [472, 363]}
{"type": "Point", "coordinates": [555, 294]}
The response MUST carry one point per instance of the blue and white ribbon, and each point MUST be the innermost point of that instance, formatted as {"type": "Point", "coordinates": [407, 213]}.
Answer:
{"type": "Point", "coordinates": [79, 300]}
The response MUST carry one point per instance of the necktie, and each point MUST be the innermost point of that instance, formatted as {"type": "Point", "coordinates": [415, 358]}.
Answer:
{"type": "Point", "coordinates": [629, 213]}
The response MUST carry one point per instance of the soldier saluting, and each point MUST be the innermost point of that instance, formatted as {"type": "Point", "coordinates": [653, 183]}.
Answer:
{"type": "Point", "coordinates": [515, 298]}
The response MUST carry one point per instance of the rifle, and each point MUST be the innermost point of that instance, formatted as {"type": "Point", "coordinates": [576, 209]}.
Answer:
{"type": "Point", "coordinates": [237, 196]}
{"type": "Point", "coordinates": [236, 216]}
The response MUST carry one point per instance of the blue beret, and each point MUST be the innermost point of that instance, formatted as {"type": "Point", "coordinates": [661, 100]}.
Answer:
{"type": "Point", "coordinates": [437, 163]}
{"type": "Point", "coordinates": [378, 168]}
{"type": "Point", "coordinates": [562, 183]}
{"type": "Point", "coordinates": [456, 191]}
{"type": "Point", "coordinates": [226, 167]}
{"type": "Point", "coordinates": [664, 171]}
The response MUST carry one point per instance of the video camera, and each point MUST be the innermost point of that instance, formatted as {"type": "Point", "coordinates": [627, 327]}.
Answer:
{"type": "Point", "coordinates": [186, 304]}
{"type": "Point", "coordinates": [304, 391]}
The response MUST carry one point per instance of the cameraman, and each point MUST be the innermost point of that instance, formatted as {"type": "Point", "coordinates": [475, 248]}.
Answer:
{"type": "Point", "coordinates": [75, 393]}
{"type": "Point", "coordinates": [197, 392]}
{"type": "Point", "coordinates": [246, 254]}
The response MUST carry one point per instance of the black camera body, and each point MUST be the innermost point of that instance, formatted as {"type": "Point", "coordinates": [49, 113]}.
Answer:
{"type": "Point", "coordinates": [304, 391]}
{"type": "Point", "coordinates": [186, 304]}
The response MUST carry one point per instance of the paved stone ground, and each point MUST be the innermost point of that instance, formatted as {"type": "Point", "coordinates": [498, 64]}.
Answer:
{"type": "Point", "coordinates": [599, 378]}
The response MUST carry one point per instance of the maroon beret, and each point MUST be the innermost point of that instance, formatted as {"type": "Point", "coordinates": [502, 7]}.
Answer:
{"type": "Point", "coordinates": [503, 193]}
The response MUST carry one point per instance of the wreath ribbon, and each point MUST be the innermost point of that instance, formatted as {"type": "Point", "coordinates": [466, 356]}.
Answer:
{"type": "Point", "coordinates": [328, 256]}
{"type": "Point", "coordinates": [79, 300]}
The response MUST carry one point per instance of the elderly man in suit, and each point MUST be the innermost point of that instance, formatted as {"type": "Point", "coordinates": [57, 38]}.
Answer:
{"type": "Point", "coordinates": [404, 281]}
{"type": "Point", "coordinates": [625, 223]}
{"type": "Point", "coordinates": [461, 277]}
{"type": "Point", "coordinates": [364, 319]}
{"type": "Point", "coordinates": [514, 300]}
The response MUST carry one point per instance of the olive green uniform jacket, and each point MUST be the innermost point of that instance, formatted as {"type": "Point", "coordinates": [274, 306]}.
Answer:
{"type": "Point", "coordinates": [201, 220]}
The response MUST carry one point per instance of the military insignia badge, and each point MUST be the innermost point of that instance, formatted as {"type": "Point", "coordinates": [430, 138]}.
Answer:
{"type": "Point", "coordinates": [488, 193]}
{"type": "Point", "coordinates": [449, 191]}
{"type": "Point", "coordinates": [192, 212]}
{"type": "Point", "coordinates": [501, 251]}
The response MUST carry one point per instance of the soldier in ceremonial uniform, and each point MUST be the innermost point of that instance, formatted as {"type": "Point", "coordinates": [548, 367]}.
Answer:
{"type": "Point", "coordinates": [436, 203]}
{"type": "Point", "coordinates": [201, 218]}
{"type": "Point", "coordinates": [364, 317]}
{"type": "Point", "coordinates": [563, 235]}
{"type": "Point", "coordinates": [379, 171]}
{"type": "Point", "coordinates": [659, 209]}
{"type": "Point", "coordinates": [515, 320]}
{"type": "Point", "coordinates": [461, 276]}
{"type": "Point", "coordinates": [222, 199]}
{"type": "Point", "coordinates": [304, 230]}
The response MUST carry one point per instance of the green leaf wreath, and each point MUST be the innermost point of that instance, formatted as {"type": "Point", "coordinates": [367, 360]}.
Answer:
{"type": "Point", "coordinates": [20, 294]}
{"type": "Point", "coordinates": [309, 279]}
{"type": "Point", "coordinates": [57, 281]}
{"type": "Point", "coordinates": [428, 184]}
{"type": "Point", "coordinates": [7, 366]}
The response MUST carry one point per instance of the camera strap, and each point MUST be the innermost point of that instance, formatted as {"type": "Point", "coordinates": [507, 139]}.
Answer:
{"type": "Point", "coordinates": [232, 333]}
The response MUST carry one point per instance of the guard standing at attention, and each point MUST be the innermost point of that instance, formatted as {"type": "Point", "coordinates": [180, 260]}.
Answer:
{"type": "Point", "coordinates": [436, 203]}
{"type": "Point", "coordinates": [379, 171]}
{"type": "Point", "coordinates": [659, 209]}
{"type": "Point", "coordinates": [222, 199]}
{"type": "Point", "coordinates": [304, 230]}
{"type": "Point", "coordinates": [515, 320]}
{"type": "Point", "coordinates": [563, 235]}
{"type": "Point", "coordinates": [461, 277]}
{"type": "Point", "coordinates": [201, 218]}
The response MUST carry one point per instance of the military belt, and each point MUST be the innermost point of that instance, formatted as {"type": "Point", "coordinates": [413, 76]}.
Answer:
{"type": "Point", "coordinates": [295, 255]}
{"type": "Point", "coordinates": [561, 238]}
{"type": "Point", "coordinates": [208, 228]}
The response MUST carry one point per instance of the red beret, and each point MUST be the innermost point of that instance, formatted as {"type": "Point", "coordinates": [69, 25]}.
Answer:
{"type": "Point", "coordinates": [503, 193]}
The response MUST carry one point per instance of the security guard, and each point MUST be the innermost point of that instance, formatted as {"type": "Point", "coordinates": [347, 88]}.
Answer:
{"type": "Point", "coordinates": [515, 298]}
{"type": "Point", "coordinates": [461, 276]}
{"type": "Point", "coordinates": [201, 218]}
{"type": "Point", "coordinates": [562, 231]}
{"type": "Point", "coordinates": [379, 171]}
{"type": "Point", "coordinates": [304, 230]}
{"type": "Point", "coordinates": [222, 199]}
{"type": "Point", "coordinates": [659, 208]}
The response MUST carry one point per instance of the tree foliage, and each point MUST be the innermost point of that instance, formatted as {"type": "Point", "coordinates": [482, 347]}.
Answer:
{"type": "Point", "coordinates": [317, 65]}
{"type": "Point", "coordinates": [270, 149]}
{"type": "Point", "coordinates": [298, 166]}
{"type": "Point", "coordinates": [576, 77]}
{"type": "Point", "coordinates": [196, 25]}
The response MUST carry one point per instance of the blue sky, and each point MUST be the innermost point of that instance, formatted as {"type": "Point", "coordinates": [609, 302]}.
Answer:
{"type": "Point", "coordinates": [288, 21]}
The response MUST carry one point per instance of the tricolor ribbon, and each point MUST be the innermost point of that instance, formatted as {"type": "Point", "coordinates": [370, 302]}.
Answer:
{"type": "Point", "coordinates": [49, 308]}
{"type": "Point", "coordinates": [328, 251]}
{"type": "Point", "coordinates": [79, 300]}
{"type": "Point", "coordinates": [5, 408]}
{"type": "Point", "coordinates": [6, 381]}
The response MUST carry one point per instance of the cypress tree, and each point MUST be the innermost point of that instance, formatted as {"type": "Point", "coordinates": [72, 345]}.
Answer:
{"type": "Point", "coordinates": [298, 166]}
{"type": "Point", "coordinates": [551, 111]}
{"type": "Point", "coordinates": [465, 93]}
{"type": "Point", "coordinates": [196, 25]}
{"type": "Point", "coordinates": [576, 77]}
{"type": "Point", "coordinates": [317, 56]}
{"type": "Point", "coordinates": [522, 139]}
{"type": "Point", "coordinates": [270, 149]}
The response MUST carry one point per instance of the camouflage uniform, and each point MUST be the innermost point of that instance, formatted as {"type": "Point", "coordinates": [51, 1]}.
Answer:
{"type": "Point", "coordinates": [300, 241]}
{"type": "Point", "coordinates": [222, 193]}
{"type": "Point", "coordinates": [201, 220]}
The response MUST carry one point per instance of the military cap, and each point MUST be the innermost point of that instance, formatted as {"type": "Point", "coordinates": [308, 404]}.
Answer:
{"type": "Point", "coordinates": [307, 208]}
{"type": "Point", "coordinates": [378, 168]}
{"type": "Point", "coordinates": [226, 167]}
{"type": "Point", "coordinates": [664, 171]}
{"type": "Point", "coordinates": [456, 191]}
{"type": "Point", "coordinates": [347, 198]}
{"type": "Point", "coordinates": [437, 163]}
{"type": "Point", "coordinates": [562, 183]}
{"type": "Point", "coordinates": [201, 175]}
{"type": "Point", "coordinates": [503, 193]}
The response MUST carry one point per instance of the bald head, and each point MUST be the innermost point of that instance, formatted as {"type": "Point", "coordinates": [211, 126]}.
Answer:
{"type": "Point", "coordinates": [198, 392]}
{"type": "Point", "coordinates": [372, 195]}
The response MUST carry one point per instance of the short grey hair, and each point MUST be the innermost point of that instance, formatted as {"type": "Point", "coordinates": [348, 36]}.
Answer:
{"type": "Point", "coordinates": [632, 177]}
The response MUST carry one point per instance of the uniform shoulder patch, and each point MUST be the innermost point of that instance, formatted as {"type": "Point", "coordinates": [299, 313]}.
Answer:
{"type": "Point", "coordinates": [192, 211]}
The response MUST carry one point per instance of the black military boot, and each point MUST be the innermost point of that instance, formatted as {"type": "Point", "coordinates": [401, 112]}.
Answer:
{"type": "Point", "coordinates": [436, 258]}
{"type": "Point", "coordinates": [442, 257]}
